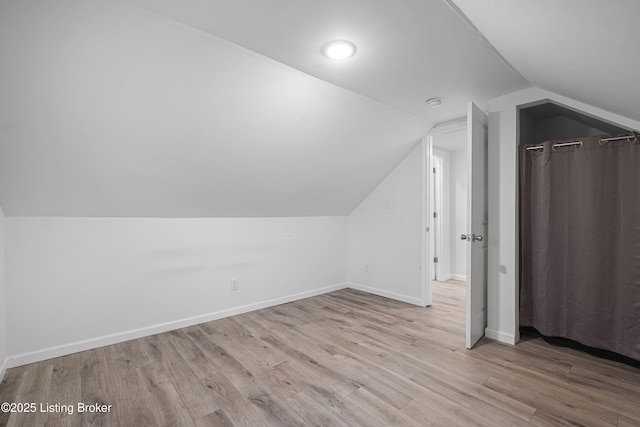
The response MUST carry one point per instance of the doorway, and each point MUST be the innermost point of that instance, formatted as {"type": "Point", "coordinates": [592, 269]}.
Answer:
{"type": "Point", "coordinates": [448, 199]}
{"type": "Point", "coordinates": [475, 235]}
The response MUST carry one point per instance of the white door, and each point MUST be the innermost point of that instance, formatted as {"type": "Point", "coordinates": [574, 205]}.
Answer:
{"type": "Point", "coordinates": [477, 220]}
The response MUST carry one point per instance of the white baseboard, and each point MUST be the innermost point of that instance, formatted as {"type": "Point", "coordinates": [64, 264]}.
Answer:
{"type": "Point", "coordinates": [75, 347]}
{"type": "Point", "coordinates": [453, 277]}
{"type": "Point", "coordinates": [387, 294]}
{"type": "Point", "coordinates": [4, 367]}
{"type": "Point", "coordinates": [500, 336]}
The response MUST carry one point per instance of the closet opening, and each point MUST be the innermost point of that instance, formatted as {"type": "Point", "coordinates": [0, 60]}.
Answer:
{"type": "Point", "coordinates": [578, 193]}
{"type": "Point", "coordinates": [548, 121]}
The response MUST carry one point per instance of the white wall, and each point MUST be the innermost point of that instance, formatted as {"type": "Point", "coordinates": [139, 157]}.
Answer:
{"type": "Point", "coordinates": [77, 283]}
{"type": "Point", "coordinates": [108, 109]}
{"type": "Point", "coordinates": [503, 282]}
{"type": "Point", "coordinates": [3, 305]}
{"type": "Point", "coordinates": [458, 200]}
{"type": "Point", "coordinates": [385, 235]}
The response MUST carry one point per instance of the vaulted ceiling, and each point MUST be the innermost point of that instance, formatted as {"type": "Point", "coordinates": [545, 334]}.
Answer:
{"type": "Point", "coordinates": [408, 50]}
{"type": "Point", "coordinates": [587, 50]}
{"type": "Point", "coordinates": [212, 108]}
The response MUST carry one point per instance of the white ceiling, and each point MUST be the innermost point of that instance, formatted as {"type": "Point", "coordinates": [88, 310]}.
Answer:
{"type": "Point", "coordinates": [218, 108]}
{"type": "Point", "coordinates": [587, 50]}
{"type": "Point", "coordinates": [107, 109]}
{"type": "Point", "coordinates": [451, 141]}
{"type": "Point", "coordinates": [408, 50]}
{"type": "Point", "coordinates": [212, 108]}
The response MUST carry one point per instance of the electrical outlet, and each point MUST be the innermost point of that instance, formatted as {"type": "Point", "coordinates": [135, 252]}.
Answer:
{"type": "Point", "coordinates": [366, 268]}
{"type": "Point", "coordinates": [234, 284]}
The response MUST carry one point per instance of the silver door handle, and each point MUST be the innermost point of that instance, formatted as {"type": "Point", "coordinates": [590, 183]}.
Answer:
{"type": "Point", "coordinates": [477, 237]}
{"type": "Point", "coordinates": [464, 237]}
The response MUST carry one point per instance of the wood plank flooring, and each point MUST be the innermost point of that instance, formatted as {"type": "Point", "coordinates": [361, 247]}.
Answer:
{"type": "Point", "coordinates": [342, 359]}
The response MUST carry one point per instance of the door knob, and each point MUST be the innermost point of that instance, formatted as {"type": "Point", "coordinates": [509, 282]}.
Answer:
{"type": "Point", "coordinates": [477, 237]}
{"type": "Point", "coordinates": [464, 237]}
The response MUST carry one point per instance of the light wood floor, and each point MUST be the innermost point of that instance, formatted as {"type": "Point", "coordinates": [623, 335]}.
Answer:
{"type": "Point", "coordinates": [341, 359]}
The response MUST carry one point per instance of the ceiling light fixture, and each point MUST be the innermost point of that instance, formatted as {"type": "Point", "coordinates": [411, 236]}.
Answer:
{"type": "Point", "coordinates": [339, 49]}
{"type": "Point", "coordinates": [434, 102]}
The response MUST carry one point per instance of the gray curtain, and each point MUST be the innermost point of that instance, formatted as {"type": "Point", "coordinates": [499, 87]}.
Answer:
{"type": "Point", "coordinates": [580, 243]}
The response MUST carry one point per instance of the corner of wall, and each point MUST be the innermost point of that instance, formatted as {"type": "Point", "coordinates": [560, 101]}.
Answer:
{"type": "Point", "coordinates": [385, 293]}
{"type": "Point", "coordinates": [501, 336]}
{"type": "Point", "coordinates": [385, 235]}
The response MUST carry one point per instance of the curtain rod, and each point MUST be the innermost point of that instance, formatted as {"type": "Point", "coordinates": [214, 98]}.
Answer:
{"type": "Point", "coordinates": [630, 138]}
{"type": "Point", "coordinates": [565, 144]}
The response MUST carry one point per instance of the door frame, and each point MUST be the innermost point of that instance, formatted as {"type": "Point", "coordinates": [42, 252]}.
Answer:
{"type": "Point", "coordinates": [441, 238]}
{"type": "Point", "coordinates": [435, 201]}
{"type": "Point", "coordinates": [427, 176]}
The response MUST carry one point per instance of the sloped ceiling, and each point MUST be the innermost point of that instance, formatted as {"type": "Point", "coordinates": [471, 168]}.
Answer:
{"type": "Point", "coordinates": [587, 50]}
{"type": "Point", "coordinates": [408, 50]}
{"type": "Point", "coordinates": [451, 141]}
{"type": "Point", "coordinates": [110, 108]}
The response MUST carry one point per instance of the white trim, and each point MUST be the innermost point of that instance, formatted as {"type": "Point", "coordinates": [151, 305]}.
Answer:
{"type": "Point", "coordinates": [4, 367]}
{"type": "Point", "coordinates": [425, 265]}
{"type": "Point", "coordinates": [500, 336]}
{"type": "Point", "coordinates": [443, 207]}
{"type": "Point", "coordinates": [452, 126]}
{"type": "Point", "coordinates": [386, 294]}
{"type": "Point", "coordinates": [75, 347]}
{"type": "Point", "coordinates": [437, 224]}
{"type": "Point", "coordinates": [454, 277]}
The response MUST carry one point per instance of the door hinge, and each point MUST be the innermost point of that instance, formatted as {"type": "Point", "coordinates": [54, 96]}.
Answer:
{"type": "Point", "coordinates": [435, 259]}
{"type": "Point", "coordinates": [434, 170]}
{"type": "Point", "coordinates": [435, 214]}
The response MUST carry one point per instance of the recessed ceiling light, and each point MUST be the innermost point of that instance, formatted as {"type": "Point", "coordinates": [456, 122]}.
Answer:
{"type": "Point", "coordinates": [434, 102]}
{"type": "Point", "coordinates": [339, 49]}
